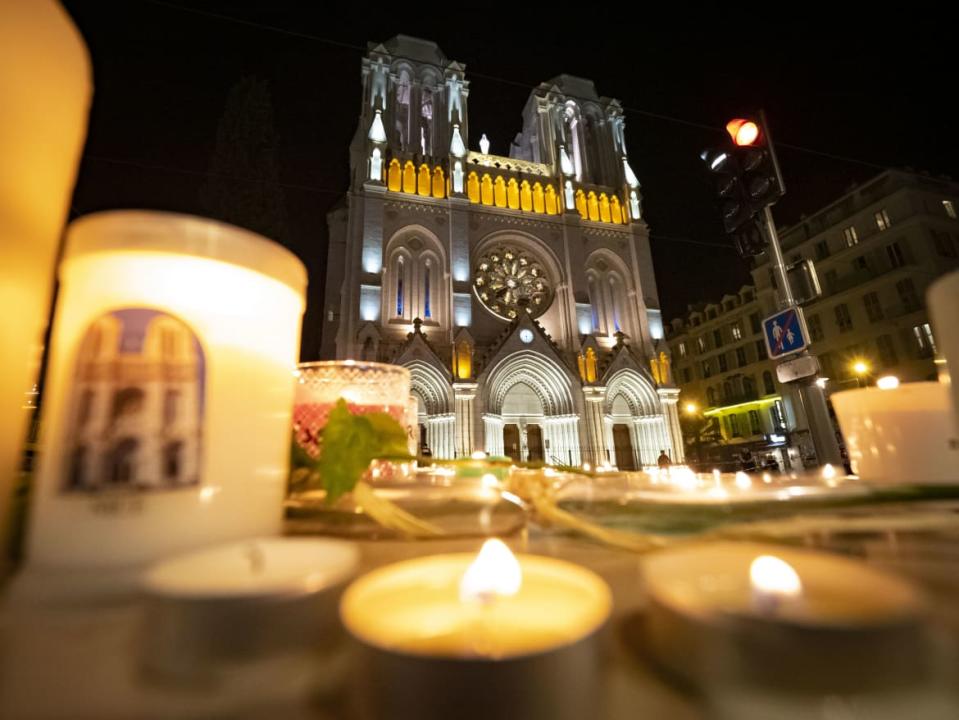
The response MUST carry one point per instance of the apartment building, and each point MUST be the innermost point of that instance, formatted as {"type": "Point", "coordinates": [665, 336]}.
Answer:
{"type": "Point", "coordinates": [875, 251]}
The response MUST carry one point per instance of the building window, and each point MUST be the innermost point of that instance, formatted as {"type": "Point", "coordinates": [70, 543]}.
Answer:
{"type": "Point", "coordinates": [814, 322]}
{"type": "Point", "coordinates": [711, 397]}
{"type": "Point", "coordinates": [710, 314]}
{"type": "Point", "coordinates": [754, 424]}
{"type": "Point", "coordinates": [924, 340]}
{"type": "Point", "coordinates": [860, 263]}
{"type": "Point", "coordinates": [737, 332]}
{"type": "Point", "coordinates": [748, 296]}
{"type": "Point", "coordinates": [894, 253]}
{"type": "Point", "coordinates": [755, 324]}
{"type": "Point", "coordinates": [172, 460]}
{"type": "Point", "coordinates": [843, 318]}
{"type": "Point", "coordinates": [427, 312]}
{"type": "Point", "coordinates": [950, 208]}
{"type": "Point", "coordinates": [944, 245]}
{"type": "Point", "coordinates": [687, 376]}
{"type": "Point", "coordinates": [882, 220]}
{"type": "Point", "coordinates": [701, 343]}
{"type": "Point", "coordinates": [831, 280]}
{"type": "Point", "coordinates": [723, 366]}
{"type": "Point", "coordinates": [400, 299]}
{"type": "Point", "coordinates": [887, 350]}
{"type": "Point", "coordinates": [907, 294]}
{"type": "Point", "coordinates": [873, 309]}
{"type": "Point", "coordinates": [769, 387]}
{"type": "Point", "coordinates": [682, 349]}
{"type": "Point", "coordinates": [778, 413]}
{"type": "Point", "coordinates": [822, 250]}
{"type": "Point", "coordinates": [717, 338]}
{"type": "Point", "coordinates": [749, 387]}
{"type": "Point", "coordinates": [850, 236]}
{"type": "Point", "coordinates": [761, 350]}
{"type": "Point", "coordinates": [706, 370]}
{"type": "Point", "coordinates": [734, 426]}
{"type": "Point", "coordinates": [741, 356]}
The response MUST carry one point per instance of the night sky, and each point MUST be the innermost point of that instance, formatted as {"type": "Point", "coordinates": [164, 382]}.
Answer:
{"type": "Point", "coordinates": [844, 101]}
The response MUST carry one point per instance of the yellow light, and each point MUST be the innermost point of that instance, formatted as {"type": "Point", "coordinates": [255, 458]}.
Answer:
{"type": "Point", "coordinates": [691, 408]}
{"type": "Point", "coordinates": [860, 368]}
{"type": "Point", "coordinates": [771, 576]}
{"type": "Point", "coordinates": [887, 382]}
{"type": "Point", "coordinates": [494, 573]}
{"type": "Point", "coordinates": [743, 132]}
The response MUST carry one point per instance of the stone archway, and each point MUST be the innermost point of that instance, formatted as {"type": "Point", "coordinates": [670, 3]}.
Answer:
{"type": "Point", "coordinates": [435, 397]}
{"type": "Point", "coordinates": [551, 386]}
{"type": "Point", "coordinates": [633, 407]}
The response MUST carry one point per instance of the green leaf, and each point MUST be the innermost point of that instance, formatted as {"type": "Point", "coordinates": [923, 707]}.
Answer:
{"type": "Point", "coordinates": [350, 442]}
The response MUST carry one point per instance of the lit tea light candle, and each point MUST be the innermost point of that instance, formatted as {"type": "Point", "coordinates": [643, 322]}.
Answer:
{"type": "Point", "coordinates": [748, 612]}
{"type": "Point", "coordinates": [773, 582]}
{"type": "Point", "coordinates": [243, 601]}
{"type": "Point", "coordinates": [167, 413]}
{"type": "Point", "coordinates": [901, 434]}
{"type": "Point", "coordinates": [439, 632]}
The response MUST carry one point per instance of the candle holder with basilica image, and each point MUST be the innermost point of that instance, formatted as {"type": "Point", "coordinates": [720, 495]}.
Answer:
{"type": "Point", "coordinates": [366, 387]}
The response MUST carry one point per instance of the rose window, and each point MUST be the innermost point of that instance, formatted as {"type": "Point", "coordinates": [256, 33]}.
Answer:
{"type": "Point", "coordinates": [506, 277]}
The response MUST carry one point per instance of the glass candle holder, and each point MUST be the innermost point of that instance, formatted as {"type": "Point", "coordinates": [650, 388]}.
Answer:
{"type": "Point", "coordinates": [367, 387]}
{"type": "Point", "coordinates": [166, 418]}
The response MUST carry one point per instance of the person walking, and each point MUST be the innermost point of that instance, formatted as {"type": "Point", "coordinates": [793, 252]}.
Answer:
{"type": "Point", "coordinates": [663, 460]}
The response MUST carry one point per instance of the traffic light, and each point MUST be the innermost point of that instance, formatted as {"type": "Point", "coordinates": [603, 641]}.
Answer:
{"type": "Point", "coordinates": [747, 179]}
{"type": "Point", "coordinates": [760, 178]}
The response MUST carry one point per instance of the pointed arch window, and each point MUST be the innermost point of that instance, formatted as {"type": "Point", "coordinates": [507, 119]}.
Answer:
{"type": "Point", "coordinates": [403, 109]}
{"type": "Point", "coordinates": [426, 121]}
{"type": "Point", "coordinates": [427, 310]}
{"type": "Point", "coordinates": [399, 287]}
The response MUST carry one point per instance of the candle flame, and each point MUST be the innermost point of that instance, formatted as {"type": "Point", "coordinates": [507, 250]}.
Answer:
{"type": "Point", "coordinates": [494, 573]}
{"type": "Point", "coordinates": [489, 480]}
{"type": "Point", "coordinates": [774, 577]}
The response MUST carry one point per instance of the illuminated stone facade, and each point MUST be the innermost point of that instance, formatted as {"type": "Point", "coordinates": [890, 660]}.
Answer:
{"type": "Point", "coordinates": [519, 290]}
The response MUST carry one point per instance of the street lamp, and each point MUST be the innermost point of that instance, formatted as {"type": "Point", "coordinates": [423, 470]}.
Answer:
{"type": "Point", "coordinates": [861, 369]}
{"type": "Point", "coordinates": [691, 408]}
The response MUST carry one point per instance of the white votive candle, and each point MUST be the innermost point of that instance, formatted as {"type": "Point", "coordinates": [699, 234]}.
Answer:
{"type": "Point", "coordinates": [779, 616]}
{"type": "Point", "coordinates": [478, 636]}
{"type": "Point", "coordinates": [45, 89]}
{"type": "Point", "coordinates": [243, 601]}
{"type": "Point", "coordinates": [900, 435]}
{"type": "Point", "coordinates": [166, 419]}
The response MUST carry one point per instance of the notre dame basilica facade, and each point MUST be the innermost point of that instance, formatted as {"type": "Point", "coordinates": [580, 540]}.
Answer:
{"type": "Point", "coordinates": [518, 290]}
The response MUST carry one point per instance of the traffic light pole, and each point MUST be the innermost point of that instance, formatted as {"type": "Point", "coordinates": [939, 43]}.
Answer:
{"type": "Point", "coordinates": [811, 396]}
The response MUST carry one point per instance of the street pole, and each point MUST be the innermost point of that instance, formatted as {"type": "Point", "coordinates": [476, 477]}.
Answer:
{"type": "Point", "coordinates": [811, 396]}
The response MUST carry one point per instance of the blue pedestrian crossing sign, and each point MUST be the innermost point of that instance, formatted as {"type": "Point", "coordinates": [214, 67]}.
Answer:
{"type": "Point", "coordinates": [785, 332]}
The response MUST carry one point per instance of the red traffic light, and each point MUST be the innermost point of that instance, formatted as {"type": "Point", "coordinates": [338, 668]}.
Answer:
{"type": "Point", "coordinates": [743, 132]}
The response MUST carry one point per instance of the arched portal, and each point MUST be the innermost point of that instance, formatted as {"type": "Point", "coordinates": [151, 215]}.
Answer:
{"type": "Point", "coordinates": [529, 390]}
{"type": "Point", "coordinates": [635, 426]}
{"type": "Point", "coordinates": [435, 400]}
